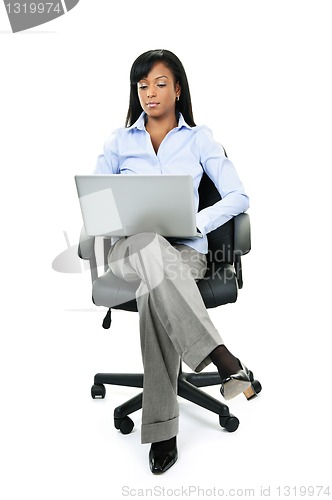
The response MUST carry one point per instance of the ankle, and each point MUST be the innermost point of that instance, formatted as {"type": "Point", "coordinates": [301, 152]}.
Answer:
{"type": "Point", "coordinates": [226, 363]}
{"type": "Point", "coordinates": [218, 353]}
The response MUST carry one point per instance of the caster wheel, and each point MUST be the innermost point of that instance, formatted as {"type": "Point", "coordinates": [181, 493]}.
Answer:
{"type": "Point", "coordinates": [125, 425]}
{"type": "Point", "coordinates": [98, 391]}
{"type": "Point", "coordinates": [229, 423]}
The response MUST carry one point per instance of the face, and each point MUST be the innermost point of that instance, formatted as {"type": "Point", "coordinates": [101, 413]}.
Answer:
{"type": "Point", "coordinates": [157, 92]}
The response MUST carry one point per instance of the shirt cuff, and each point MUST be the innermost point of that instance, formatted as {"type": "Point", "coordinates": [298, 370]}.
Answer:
{"type": "Point", "coordinates": [201, 223]}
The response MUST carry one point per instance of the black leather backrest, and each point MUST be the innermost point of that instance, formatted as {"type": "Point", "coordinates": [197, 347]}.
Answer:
{"type": "Point", "coordinates": [221, 240]}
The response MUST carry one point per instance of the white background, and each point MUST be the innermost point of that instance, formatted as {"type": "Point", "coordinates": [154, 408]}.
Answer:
{"type": "Point", "coordinates": [260, 77]}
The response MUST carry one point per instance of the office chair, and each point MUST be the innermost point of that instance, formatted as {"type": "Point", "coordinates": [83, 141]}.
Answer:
{"type": "Point", "coordinates": [219, 286]}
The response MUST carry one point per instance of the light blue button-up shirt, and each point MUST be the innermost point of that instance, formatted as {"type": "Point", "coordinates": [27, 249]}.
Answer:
{"type": "Point", "coordinates": [184, 150]}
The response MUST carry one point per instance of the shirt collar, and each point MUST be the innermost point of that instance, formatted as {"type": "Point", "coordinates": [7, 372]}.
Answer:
{"type": "Point", "coordinates": [140, 122]}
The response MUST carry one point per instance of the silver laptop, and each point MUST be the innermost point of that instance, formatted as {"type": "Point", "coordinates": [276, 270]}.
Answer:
{"type": "Point", "coordinates": [123, 205]}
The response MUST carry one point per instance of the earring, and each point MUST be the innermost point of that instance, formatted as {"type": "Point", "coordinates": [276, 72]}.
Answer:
{"type": "Point", "coordinates": [177, 97]}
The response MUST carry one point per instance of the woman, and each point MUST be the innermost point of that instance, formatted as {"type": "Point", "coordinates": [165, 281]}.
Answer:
{"type": "Point", "coordinates": [161, 137]}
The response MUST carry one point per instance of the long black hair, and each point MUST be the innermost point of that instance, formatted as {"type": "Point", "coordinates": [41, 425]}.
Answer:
{"type": "Point", "coordinates": [142, 67]}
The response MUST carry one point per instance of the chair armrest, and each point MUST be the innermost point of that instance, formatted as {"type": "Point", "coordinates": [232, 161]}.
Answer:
{"type": "Point", "coordinates": [242, 241]}
{"type": "Point", "coordinates": [86, 251]}
{"type": "Point", "coordinates": [86, 246]}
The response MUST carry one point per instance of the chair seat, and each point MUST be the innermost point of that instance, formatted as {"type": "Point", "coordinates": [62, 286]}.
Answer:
{"type": "Point", "coordinates": [111, 291]}
{"type": "Point", "coordinates": [218, 287]}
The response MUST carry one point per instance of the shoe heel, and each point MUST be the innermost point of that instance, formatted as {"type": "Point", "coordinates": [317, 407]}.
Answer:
{"type": "Point", "coordinates": [249, 393]}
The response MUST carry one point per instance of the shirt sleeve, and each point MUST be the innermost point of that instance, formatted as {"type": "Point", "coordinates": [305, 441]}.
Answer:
{"type": "Point", "coordinates": [222, 172]}
{"type": "Point", "coordinates": [108, 162]}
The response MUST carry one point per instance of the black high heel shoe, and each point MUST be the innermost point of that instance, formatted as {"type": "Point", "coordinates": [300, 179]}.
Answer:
{"type": "Point", "coordinates": [161, 461]}
{"type": "Point", "coordinates": [239, 382]}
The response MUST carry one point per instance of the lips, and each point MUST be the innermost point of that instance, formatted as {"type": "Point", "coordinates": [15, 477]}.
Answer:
{"type": "Point", "coordinates": [152, 104]}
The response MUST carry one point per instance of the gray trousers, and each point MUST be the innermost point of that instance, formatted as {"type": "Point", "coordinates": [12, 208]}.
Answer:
{"type": "Point", "coordinates": [174, 323]}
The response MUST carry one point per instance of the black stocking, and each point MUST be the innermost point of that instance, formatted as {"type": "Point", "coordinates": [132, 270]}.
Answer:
{"type": "Point", "coordinates": [226, 363]}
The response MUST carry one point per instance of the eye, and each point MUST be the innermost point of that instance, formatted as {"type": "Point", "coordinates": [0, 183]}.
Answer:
{"type": "Point", "coordinates": [160, 85]}
{"type": "Point", "coordinates": [142, 86]}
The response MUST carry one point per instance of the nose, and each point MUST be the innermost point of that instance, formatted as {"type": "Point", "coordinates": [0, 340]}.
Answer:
{"type": "Point", "coordinates": [150, 92]}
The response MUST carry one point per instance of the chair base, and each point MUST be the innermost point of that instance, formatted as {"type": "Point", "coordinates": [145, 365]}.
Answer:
{"type": "Point", "coordinates": [188, 388]}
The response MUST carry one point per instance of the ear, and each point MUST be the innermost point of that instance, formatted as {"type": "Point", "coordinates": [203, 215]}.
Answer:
{"type": "Point", "coordinates": [178, 89]}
